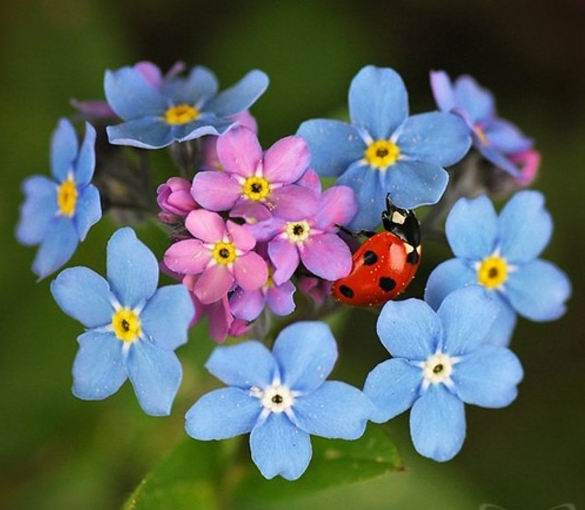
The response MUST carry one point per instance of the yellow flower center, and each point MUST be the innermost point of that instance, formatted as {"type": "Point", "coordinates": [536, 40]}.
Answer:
{"type": "Point", "coordinates": [126, 325]}
{"type": "Point", "coordinates": [256, 188]}
{"type": "Point", "coordinates": [67, 197]}
{"type": "Point", "coordinates": [224, 253]}
{"type": "Point", "coordinates": [298, 231]}
{"type": "Point", "coordinates": [382, 153]}
{"type": "Point", "coordinates": [181, 114]}
{"type": "Point", "coordinates": [481, 135]}
{"type": "Point", "coordinates": [492, 272]}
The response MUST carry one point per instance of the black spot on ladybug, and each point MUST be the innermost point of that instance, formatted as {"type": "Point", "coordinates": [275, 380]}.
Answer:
{"type": "Point", "coordinates": [346, 291]}
{"type": "Point", "coordinates": [412, 257]}
{"type": "Point", "coordinates": [370, 258]}
{"type": "Point", "coordinates": [386, 284]}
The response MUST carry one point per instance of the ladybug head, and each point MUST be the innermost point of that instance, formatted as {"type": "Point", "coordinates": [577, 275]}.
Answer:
{"type": "Point", "coordinates": [401, 222]}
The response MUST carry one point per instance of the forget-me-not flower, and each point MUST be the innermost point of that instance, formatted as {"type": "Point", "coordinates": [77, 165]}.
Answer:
{"type": "Point", "coordinates": [280, 398]}
{"type": "Point", "coordinates": [383, 150]}
{"type": "Point", "coordinates": [58, 213]}
{"type": "Point", "coordinates": [441, 361]}
{"type": "Point", "coordinates": [160, 110]}
{"type": "Point", "coordinates": [132, 328]}
{"type": "Point", "coordinates": [500, 254]}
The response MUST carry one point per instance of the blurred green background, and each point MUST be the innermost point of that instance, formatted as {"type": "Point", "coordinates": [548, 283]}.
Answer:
{"type": "Point", "coordinates": [57, 452]}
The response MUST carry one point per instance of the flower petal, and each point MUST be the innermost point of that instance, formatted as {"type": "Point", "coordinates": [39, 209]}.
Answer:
{"type": "Point", "coordinates": [409, 329]}
{"type": "Point", "coordinates": [239, 151]}
{"type": "Point", "coordinates": [335, 410]}
{"type": "Point", "coordinates": [500, 334]}
{"type": "Point", "coordinates": [88, 210]}
{"type": "Point", "coordinates": [213, 284]}
{"type": "Point", "coordinates": [187, 257]}
{"type": "Point", "coordinates": [392, 386]}
{"type": "Point", "coordinates": [334, 145]}
{"type": "Point", "coordinates": [488, 377]}
{"type": "Point", "coordinates": [435, 137]}
{"type": "Point", "coordinates": [58, 246]}
{"type": "Point", "coordinates": [84, 295]}
{"type": "Point", "coordinates": [327, 256]}
{"type": "Point", "coordinates": [196, 89]}
{"type": "Point", "coordinates": [442, 90]}
{"type": "Point", "coordinates": [338, 206]}
{"type": "Point", "coordinates": [222, 414]}
{"type": "Point", "coordinates": [280, 299]}
{"type": "Point", "coordinates": [85, 164]}
{"type": "Point", "coordinates": [202, 126]}
{"type": "Point", "coordinates": [251, 271]}
{"type": "Point", "coordinates": [448, 276]}
{"type": "Point", "coordinates": [247, 305]}
{"type": "Point", "coordinates": [38, 210]}
{"type": "Point", "coordinates": [167, 315]}
{"type": "Point", "coordinates": [306, 352]}
{"type": "Point", "coordinates": [293, 202]}
{"type": "Point", "coordinates": [506, 137]}
{"type": "Point", "coordinates": [98, 369]}
{"type": "Point", "coordinates": [476, 101]}
{"type": "Point", "coordinates": [243, 240]}
{"type": "Point", "coordinates": [287, 160]}
{"type": "Point", "coordinates": [285, 258]}
{"type": "Point", "coordinates": [378, 101]}
{"type": "Point", "coordinates": [498, 159]}
{"type": "Point", "coordinates": [64, 148]}
{"type": "Point", "coordinates": [437, 424]}
{"type": "Point", "coordinates": [525, 227]}
{"type": "Point", "coordinates": [415, 183]}
{"type": "Point", "coordinates": [155, 374]}
{"type": "Point", "coordinates": [216, 191]}
{"type": "Point", "coordinates": [144, 133]}
{"type": "Point", "coordinates": [240, 96]}
{"type": "Point", "coordinates": [280, 448]}
{"type": "Point", "coordinates": [538, 291]}
{"type": "Point", "coordinates": [472, 228]}
{"type": "Point", "coordinates": [206, 225]}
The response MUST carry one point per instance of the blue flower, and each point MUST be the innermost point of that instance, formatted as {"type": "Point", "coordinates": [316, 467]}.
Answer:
{"type": "Point", "coordinates": [132, 328]}
{"type": "Point", "coordinates": [281, 398]}
{"type": "Point", "coordinates": [440, 362]}
{"type": "Point", "coordinates": [158, 111]}
{"type": "Point", "coordinates": [58, 212]}
{"type": "Point", "coordinates": [500, 255]}
{"type": "Point", "coordinates": [384, 150]}
{"type": "Point", "coordinates": [495, 138]}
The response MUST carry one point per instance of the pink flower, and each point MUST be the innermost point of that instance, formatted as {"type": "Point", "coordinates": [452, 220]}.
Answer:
{"type": "Point", "coordinates": [528, 163]}
{"type": "Point", "coordinates": [256, 185]}
{"type": "Point", "coordinates": [175, 200]}
{"type": "Point", "coordinates": [221, 252]}
{"type": "Point", "coordinates": [316, 288]}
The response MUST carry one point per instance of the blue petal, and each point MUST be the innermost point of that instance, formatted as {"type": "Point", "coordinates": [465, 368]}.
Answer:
{"type": "Point", "coordinates": [85, 164]}
{"type": "Point", "coordinates": [209, 125]}
{"type": "Point", "coordinates": [144, 133]}
{"type": "Point", "coordinates": [378, 102]}
{"type": "Point", "coordinates": [280, 448]}
{"type": "Point", "coordinates": [415, 183]}
{"type": "Point", "coordinates": [63, 149]}
{"type": "Point", "coordinates": [494, 156]}
{"type": "Point", "coordinates": [84, 295]}
{"type": "Point", "coordinates": [472, 228]}
{"type": "Point", "coordinates": [88, 210]}
{"type": "Point", "coordinates": [222, 414]}
{"type": "Point", "coordinates": [305, 352]}
{"type": "Point", "coordinates": [448, 276]}
{"type": "Point", "coordinates": [538, 291]}
{"type": "Point", "coordinates": [488, 377]}
{"type": "Point", "coordinates": [57, 248]}
{"type": "Point", "coordinates": [409, 329]}
{"type": "Point", "coordinates": [525, 227]}
{"type": "Point", "coordinates": [240, 96]}
{"type": "Point", "coordinates": [442, 90]}
{"type": "Point", "coordinates": [334, 410]}
{"type": "Point", "coordinates": [392, 386]}
{"type": "Point", "coordinates": [99, 369]}
{"type": "Point", "coordinates": [156, 376]}
{"type": "Point", "coordinates": [38, 209]}
{"type": "Point", "coordinates": [167, 315]}
{"type": "Point", "coordinates": [368, 187]}
{"type": "Point", "coordinates": [476, 101]}
{"type": "Point", "coordinates": [244, 365]}
{"type": "Point", "coordinates": [132, 268]}
{"type": "Point", "coordinates": [437, 424]}
{"type": "Point", "coordinates": [334, 145]}
{"type": "Point", "coordinates": [435, 137]}
{"type": "Point", "coordinates": [467, 316]}
{"type": "Point", "coordinates": [500, 334]}
{"type": "Point", "coordinates": [506, 137]}
{"type": "Point", "coordinates": [131, 96]}
{"type": "Point", "coordinates": [196, 89]}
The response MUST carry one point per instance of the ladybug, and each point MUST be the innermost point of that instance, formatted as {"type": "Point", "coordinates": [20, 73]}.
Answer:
{"type": "Point", "coordinates": [385, 264]}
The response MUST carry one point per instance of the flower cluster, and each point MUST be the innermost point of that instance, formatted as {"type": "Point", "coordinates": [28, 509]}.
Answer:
{"type": "Point", "coordinates": [247, 227]}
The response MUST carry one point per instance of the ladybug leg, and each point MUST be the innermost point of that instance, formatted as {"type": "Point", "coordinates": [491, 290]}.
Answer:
{"type": "Point", "coordinates": [359, 233]}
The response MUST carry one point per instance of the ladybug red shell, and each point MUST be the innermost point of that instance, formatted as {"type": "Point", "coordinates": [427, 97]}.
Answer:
{"type": "Point", "coordinates": [385, 264]}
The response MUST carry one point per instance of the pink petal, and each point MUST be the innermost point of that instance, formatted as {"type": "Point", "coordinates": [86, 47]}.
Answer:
{"type": "Point", "coordinates": [287, 160]}
{"type": "Point", "coordinates": [251, 271]}
{"type": "Point", "coordinates": [205, 225]}
{"type": "Point", "coordinates": [213, 284]}
{"type": "Point", "coordinates": [150, 72]}
{"type": "Point", "coordinates": [243, 239]}
{"type": "Point", "coordinates": [215, 190]}
{"type": "Point", "coordinates": [280, 299]}
{"type": "Point", "coordinates": [252, 212]}
{"type": "Point", "coordinates": [294, 202]}
{"type": "Point", "coordinates": [338, 206]}
{"type": "Point", "coordinates": [239, 151]}
{"type": "Point", "coordinates": [187, 257]}
{"type": "Point", "coordinates": [316, 288]}
{"type": "Point", "coordinates": [239, 328]}
{"type": "Point", "coordinates": [220, 319]}
{"type": "Point", "coordinates": [327, 256]}
{"type": "Point", "coordinates": [311, 180]}
{"type": "Point", "coordinates": [285, 257]}
{"type": "Point", "coordinates": [247, 120]}
{"type": "Point", "coordinates": [247, 304]}
{"type": "Point", "coordinates": [266, 230]}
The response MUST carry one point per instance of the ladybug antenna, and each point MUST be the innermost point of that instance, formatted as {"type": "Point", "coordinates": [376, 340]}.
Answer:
{"type": "Point", "coordinates": [401, 222]}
